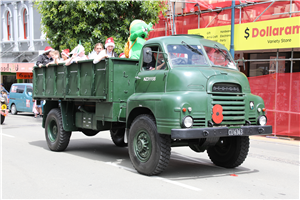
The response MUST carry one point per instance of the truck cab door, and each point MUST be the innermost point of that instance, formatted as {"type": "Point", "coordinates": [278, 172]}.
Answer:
{"type": "Point", "coordinates": [154, 70]}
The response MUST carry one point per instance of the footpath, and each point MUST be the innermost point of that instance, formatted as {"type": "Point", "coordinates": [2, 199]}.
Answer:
{"type": "Point", "coordinates": [280, 139]}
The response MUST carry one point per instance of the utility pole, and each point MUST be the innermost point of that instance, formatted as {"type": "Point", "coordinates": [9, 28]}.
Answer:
{"type": "Point", "coordinates": [232, 29]}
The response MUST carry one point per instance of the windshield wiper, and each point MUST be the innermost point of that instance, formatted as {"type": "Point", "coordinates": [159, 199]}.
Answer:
{"type": "Point", "coordinates": [224, 54]}
{"type": "Point", "coordinates": [191, 48]}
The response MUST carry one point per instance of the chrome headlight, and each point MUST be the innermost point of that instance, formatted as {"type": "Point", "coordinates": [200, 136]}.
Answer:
{"type": "Point", "coordinates": [187, 122]}
{"type": "Point", "coordinates": [262, 120]}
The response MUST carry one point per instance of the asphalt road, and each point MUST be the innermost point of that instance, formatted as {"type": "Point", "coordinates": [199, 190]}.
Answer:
{"type": "Point", "coordinates": [94, 168]}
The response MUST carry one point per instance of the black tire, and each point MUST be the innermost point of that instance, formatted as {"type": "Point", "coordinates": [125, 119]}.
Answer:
{"type": "Point", "coordinates": [117, 136]}
{"type": "Point", "coordinates": [229, 152]}
{"type": "Point", "coordinates": [57, 138]}
{"type": "Point", "coordinates": [13, 109]}
{"type": "Point", "coordinates": [2, 119]}
{"type": "Point", "coordinates": [89, 132]}
{"type": "Point", "coordinates": [149, 151]}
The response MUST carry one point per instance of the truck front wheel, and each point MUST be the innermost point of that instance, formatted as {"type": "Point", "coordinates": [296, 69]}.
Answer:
{"type": "Point", "coordinates": [149, 151]}
{"type": "Point", "coordinates": [57, 138]}
{"type": "Point", "coordinates": [229, 152]}
{"type": "Point", "coordinates": [117, 136]}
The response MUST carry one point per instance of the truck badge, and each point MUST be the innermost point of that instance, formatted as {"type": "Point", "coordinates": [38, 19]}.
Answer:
{"type": "Point", "coordinates": [149, 78]}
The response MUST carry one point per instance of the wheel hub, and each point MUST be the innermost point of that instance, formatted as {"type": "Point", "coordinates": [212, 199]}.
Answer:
{"type": "Point", "coordinates": [52, 131]}
{"type": "Point", "coordinates": [143, 146]}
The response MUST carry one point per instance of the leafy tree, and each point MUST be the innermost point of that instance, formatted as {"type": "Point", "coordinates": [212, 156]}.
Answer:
{"type": "Point", "coordinates": [68, 22]}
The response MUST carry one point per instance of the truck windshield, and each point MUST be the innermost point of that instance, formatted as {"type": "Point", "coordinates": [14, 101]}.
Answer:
{"type": "Point", "coordinates": [187, 55]}
{"type": "Point", "coordinates": [220, 57]}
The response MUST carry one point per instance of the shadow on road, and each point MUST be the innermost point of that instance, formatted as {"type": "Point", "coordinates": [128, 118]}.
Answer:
{"type": "Point", "coordinates": [181, 167]}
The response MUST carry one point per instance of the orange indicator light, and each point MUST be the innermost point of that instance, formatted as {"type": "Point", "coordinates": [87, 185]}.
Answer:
{"type": "Point", "coordinates": [183, 109]}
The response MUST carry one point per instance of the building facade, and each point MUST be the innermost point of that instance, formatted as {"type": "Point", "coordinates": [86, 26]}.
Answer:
{"type": "Point", "coordinates": [266, 43]}
{"type": "Point", "coordinates": [22, 40]}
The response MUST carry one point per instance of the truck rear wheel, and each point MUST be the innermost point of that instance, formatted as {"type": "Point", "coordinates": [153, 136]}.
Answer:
{"type": "Point", "coordinates": [117, 136]}
{"type": "Point", "coordinates": [2, 119]}
{"type": "Point", "coordinates": [229, 152]}
{"type": "Point", "coordinates": [149, 151]}
{"type": "Point", "coordinates": [57, 138]}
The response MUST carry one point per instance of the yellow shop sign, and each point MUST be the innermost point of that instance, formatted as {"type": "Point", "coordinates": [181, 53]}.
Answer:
{"type": "Point", "coordinates": [271, 34]}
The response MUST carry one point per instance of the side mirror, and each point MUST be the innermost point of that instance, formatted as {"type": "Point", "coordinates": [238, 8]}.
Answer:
{"type": "Point", "coordinates": [30, 94]}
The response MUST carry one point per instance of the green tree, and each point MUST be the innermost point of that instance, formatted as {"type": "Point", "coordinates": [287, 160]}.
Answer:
{"type": "Point", "coordinates": [68, 22]}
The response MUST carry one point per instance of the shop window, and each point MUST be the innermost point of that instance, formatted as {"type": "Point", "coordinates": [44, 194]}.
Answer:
{"type": "Point", "coordinates": [25, 25]}
{"type": "Point", "coordinates": [284, 66]}
{"type": "Point", "coordinates": [8, 26]}
{"type": "Point", "coordinates": [259, 68]}
{"type": "Point", "coordinates": [296, 63]}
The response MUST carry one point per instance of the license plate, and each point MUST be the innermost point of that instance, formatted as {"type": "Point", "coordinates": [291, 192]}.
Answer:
{"type": "Point", "coordinates": [235, 131]}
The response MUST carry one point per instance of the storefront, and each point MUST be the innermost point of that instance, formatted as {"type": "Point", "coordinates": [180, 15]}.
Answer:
{"type": "Point", "coordinates": [16, 73]}
{"type": "Point", "coordinates": [269, 55]}
{"type": "Point", "coordinates": [266, 46]}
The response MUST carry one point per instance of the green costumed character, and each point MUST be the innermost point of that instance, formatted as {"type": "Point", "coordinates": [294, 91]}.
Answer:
{"type": "Point", "coordinates": [139, 31]}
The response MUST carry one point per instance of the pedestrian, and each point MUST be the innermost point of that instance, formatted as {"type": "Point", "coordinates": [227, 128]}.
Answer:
{"type": "Point", "coordinates": [38, 107]}
{"type": "Point", "coordinates": [34, 109]}
{"type": "Point", "coordinates": [107, 52]}
{"type": "Point", "coordinates": [97, 49]}
{"type": "Point", "coordinates": [4, 95]}
{"type": "Point", "coordinates": [3, 88]}
{"type": "Point", "coordinates": [78, 54]}
{"type": "Point", "coordinates": [44, 58]}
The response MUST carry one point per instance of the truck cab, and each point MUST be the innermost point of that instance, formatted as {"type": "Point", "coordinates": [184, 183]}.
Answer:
{"type": "Point", "coordinates": [198, 75]}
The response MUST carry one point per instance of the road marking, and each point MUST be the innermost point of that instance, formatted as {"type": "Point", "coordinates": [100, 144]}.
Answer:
{"type": "Point", "coordinates": [156, 177]}
{"type": "Point", "coordinates": [177, 183]}
{"type": "Point", "coordinates": [8, 135]}
{"type": "Point", "coordinates": [121, 167]}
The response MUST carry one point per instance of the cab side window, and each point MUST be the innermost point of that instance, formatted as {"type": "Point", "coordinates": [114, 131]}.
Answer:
{"type": "Point", "coordinates": [153, 58]}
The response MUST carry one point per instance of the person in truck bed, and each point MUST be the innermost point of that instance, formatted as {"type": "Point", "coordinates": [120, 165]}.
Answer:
{"type": "Point", "coordinates": [45, 58]}
{"type": "Point", "coordinates": [78, 54]}
{"type": "Point", "coordinates": [97, 49]}
{"type": "Point", "coordinates": [107, 52]}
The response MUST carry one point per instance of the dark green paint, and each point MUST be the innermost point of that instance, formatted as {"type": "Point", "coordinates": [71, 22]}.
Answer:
{"type": "Point", "coordinates": [115, 90]}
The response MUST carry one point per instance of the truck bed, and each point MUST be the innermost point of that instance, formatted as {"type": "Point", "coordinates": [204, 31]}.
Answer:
{"type": "Point", "coordinates": [110, 80]}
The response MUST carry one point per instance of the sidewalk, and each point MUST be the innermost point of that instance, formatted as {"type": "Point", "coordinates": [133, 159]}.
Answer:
{"type": "Point", "coordinates": [280, 139]}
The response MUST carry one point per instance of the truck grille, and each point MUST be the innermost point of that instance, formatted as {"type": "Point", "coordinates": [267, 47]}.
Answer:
{"type": "Point", "coordinates": [233, 108]}
{"type": "Point", "coordinates": [199, 122]}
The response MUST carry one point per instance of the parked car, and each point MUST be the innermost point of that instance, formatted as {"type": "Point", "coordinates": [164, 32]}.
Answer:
{"type": "Point", "coordinates": [20, 98]}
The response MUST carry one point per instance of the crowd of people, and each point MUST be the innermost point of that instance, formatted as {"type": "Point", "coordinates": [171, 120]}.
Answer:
{"type": "Point", "coordinates": [51, 56]}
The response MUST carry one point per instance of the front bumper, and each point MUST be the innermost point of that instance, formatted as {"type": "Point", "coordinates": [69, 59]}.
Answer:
{"type": "Point", "coordinates": [195, 133]}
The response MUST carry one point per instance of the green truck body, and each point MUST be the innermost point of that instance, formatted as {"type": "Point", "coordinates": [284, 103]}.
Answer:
{"type": "Point", "coordinates": [199, 99]}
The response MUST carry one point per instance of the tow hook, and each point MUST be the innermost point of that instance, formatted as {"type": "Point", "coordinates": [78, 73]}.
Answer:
{"type": "Point", "coordinates": [261, 130]}
{"type": "Point", "coordinates": [205, 133]}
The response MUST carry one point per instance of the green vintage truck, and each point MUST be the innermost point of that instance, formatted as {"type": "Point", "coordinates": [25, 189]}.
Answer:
{"type": "Point", "coordinates": [183, 91]}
